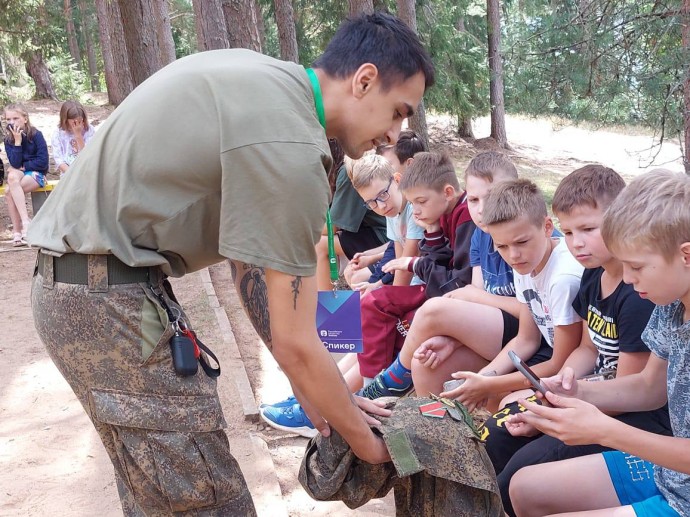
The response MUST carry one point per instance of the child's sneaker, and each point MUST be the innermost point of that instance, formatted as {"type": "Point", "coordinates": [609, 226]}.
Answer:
{"type": "Point", "coordinates": [378, 389]}
{"type": "Point", "coordinates": [292, 419]}
{"type": "Point", "coordinates": [290, 401]}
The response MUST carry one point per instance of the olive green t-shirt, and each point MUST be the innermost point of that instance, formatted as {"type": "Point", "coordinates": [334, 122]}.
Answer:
{"type": "Point", "coordinates": [219, 154]}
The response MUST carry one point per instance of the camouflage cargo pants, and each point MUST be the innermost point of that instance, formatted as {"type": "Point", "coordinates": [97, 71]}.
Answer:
{"type": "Point", "coordinates": [163, 433]}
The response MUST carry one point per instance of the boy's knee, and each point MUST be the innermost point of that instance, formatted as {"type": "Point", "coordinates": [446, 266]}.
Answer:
{"type": "Point", "coordinates": [427, 312]}
{"type": "Point", "coordinates": [521, 486]}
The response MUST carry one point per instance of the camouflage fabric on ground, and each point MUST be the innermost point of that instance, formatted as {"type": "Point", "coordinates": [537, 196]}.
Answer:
{"type": "Point", "coordinates": [439, 467]}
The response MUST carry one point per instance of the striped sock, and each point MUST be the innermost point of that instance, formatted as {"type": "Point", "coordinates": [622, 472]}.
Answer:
{"type": "Point", "coordinates": [397, 376]}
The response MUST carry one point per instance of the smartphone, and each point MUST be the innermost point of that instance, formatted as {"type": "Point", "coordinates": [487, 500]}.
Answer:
{"type": "Point", "coordinates": [527, 372]}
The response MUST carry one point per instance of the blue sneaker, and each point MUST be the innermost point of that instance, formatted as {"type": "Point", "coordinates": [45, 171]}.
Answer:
{"type": "Point", "coordinates": [292, 419]}
{"type": "Point", "coordinates": [290, 401]}
{"type": "Point", "coordinates": [379, 389]}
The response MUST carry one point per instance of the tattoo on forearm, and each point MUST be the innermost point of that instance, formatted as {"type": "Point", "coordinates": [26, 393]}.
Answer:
{"type": "Point", "coordinates": [254, 294]}
{"type": "Point", "coordinates": [233, 270]}
{"type": "Point", "coordinates": [296, 284]}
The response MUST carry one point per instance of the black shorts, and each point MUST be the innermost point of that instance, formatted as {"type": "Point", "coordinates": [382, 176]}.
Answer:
{"type": "Point", "coordinates": [365, 239]}
{"type": "Point", "coordinates": [510, 327]}
{"type": "Point", "coordinates": [543, 354]}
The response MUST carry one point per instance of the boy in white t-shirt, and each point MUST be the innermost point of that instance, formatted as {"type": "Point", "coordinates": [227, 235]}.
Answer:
{"type": "Point", "coordinates": [547, 279]}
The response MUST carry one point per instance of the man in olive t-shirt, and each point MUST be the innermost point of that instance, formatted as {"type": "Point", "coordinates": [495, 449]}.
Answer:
{"type": "Point", "coordinates": [219, 155]}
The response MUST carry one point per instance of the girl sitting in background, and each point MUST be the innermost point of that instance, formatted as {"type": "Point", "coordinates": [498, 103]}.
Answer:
{"type": "Point", "coordinates": [72, 134]}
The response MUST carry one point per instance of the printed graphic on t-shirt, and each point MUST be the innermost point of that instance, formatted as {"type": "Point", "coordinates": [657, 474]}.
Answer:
{"type": "Point", "coordinates": [540, 313]}
{"type": "Point", "coordinates": [500, 284]}
{"type": "Point", "coordinates": [604, 335]}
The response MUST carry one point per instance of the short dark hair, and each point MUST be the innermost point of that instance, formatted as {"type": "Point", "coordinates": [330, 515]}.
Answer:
{"type": "Point", "coordinates": [430, 170]}
{"type": "Point", "coordinates": [408, 144]}
{"type": "Point", "coordinates": [593, 185]}
{"type": "Point", "coordinates": [380, 39]}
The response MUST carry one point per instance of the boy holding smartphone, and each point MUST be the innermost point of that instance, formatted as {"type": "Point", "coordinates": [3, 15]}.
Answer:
{"type": "Point", "coordinates": [613, 315]}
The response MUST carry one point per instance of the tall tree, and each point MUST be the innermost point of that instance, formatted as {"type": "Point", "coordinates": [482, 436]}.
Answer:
{"type": "Point", "coordinates": [118, 77]}
{"type": "Point", "coordinates": [71, 32]}
{"type": "Point", "coordinates": [211, 31]}
{"type": "Point", "coordinates": [361, 6]}
{"type": "Point", "coordinates": [35, 65]}
{"type": "Point", "coordinates": [242, 23]}
{"type": "Point", "coordinates": [87, 19]}
{"type": "Point", "coordinates": [498, 114]}
{"type": "Point", "coordinates": [407, 13]}
{"type": "Point", "coordinates": [148, 38]}
{"type": "Point", "coordinates": [287, 35]}
{"type": "Point", "coordinates": [685, 37]}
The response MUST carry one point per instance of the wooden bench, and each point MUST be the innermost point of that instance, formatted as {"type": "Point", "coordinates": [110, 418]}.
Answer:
{"type": "Point", "coordinates": [38, 196]}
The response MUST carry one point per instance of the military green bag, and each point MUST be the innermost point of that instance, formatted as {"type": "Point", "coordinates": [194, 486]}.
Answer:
{"type": "Point", "coordinates": [439, 467]}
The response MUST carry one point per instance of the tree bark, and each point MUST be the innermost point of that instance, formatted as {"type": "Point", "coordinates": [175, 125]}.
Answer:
{"type": "Point", "coordinates": [498, 116]}
{"type": "Point", "coordinates": [166, 44]}
{"type": "Point", "coordinates": [361, 6]}
{"type": "Point", "coordinates": [118, 78]}
{"type": "Point", "coordinates": [86, 23]}
{"type": "Point", "coordinates": [417, 122]}
{"type": "Point", "coordinates": [685, 37]}
{"type": "Point", "coordinates": [211, 32]}
{"type": "Point", "coordinates": [258, 13]}
{"type": "Point", "coordinates": [242, 25]}
{"type": "Point", "coordinates": [287, 34]}
{"type": "Point", "coordinates": [146, 37]}
{"type": "Point", "coordinates": [71, 33]}
{"type": "Point", "coordinates": [38, 71]}
{"type": "Point", "coordinates": [465, 128]}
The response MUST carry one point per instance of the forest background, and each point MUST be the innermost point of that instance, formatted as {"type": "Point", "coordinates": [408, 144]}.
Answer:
{"type": "Point", "coordinates": [603, 62]}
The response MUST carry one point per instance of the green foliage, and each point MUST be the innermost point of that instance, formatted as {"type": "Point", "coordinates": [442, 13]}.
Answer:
{"type": "Point", "coordinates": [69, 81]}
{"type": "Point", "coordinates": [607, 61]}
{"type": "Point", "coordinates": [454, 32]}
{"type": "Point", "coordinates": [183, 27]}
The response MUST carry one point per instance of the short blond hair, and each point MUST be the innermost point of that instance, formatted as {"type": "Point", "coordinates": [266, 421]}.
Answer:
{"type": "Point", "coordinates": [510, 199]}
{"type": "Point", "coordinates": [652, 212]}
{"type": "Point", "coordinates": [490, 165]}
{"type": "Point", "coordinates": [369, 168]}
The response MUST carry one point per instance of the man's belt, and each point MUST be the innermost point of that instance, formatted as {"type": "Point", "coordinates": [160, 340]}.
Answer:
{"type": "Point", "coordinates": [73, 268]}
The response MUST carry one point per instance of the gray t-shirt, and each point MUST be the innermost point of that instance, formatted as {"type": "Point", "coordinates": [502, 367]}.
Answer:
{"type": "Point", "coordinates": [669, 338]}
{"type": "Point", "coordinates": [219, 154]}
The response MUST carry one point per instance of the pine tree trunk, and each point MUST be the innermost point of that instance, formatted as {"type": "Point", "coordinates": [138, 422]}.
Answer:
{"type": "Point", "coordinates": [148, 36]}
{"type": "Point", "coordinates": [242, 25]}
{"type": "Point", "coordinates": [71, 33]}
{"type": "Point", "coordinates": [287, 35]}
{"type": "Point", "coordinates": [498, 116]}
{"type": "Point", "coordinates": [118, 78]}
{"type": "Point", "coordinates": [465, 128]}
{"type": "Point", "coordinates": [685, 37]}
{"type": "Point", "coordinates": [211, 32]}
{"type": "Point", "coordinates": [361, 6]}
{"type": "Point", "coordinates": [258, 14]}
{"type": "Point", "coordinates": [166, 44]}
{"type": "Point", "coordinates": [38, 71]}
{"type": "Point", "coordinates": [417, 122]}
{"type": "Point", "coordinates": [86, 23]}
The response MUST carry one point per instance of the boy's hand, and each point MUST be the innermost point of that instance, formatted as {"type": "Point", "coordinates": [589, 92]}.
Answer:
{"type": "Point", "coordinates": [517, 428]}
{"type": "Point", "coordinates": [432, 352]}
{"type": "Point", "coordinates": [564, 383]}
{"type": "Point", "coordinates": [398, 264]}
{"type": "Point", "coordinates": [573, 421]}
{"type": "Point", "coordinates": [473, 393]}
{"type": "Point", "coordinates": [469, 293]}
{"type": "Point", "coordinates": [365, 288]}
{"type": "Point", "coordinates": [360, 261]}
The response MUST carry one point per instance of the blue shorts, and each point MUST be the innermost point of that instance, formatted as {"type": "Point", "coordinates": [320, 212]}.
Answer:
{"type": "Point", "coordinates": [38, 177]}
{"type": "Point", "coordinates": [633, 479]}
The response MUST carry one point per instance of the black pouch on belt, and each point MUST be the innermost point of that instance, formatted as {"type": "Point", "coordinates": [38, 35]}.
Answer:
{"type": "Point", "coordinates": [184, 355]}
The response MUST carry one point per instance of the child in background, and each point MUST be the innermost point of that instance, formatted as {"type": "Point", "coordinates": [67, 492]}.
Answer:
{"type": "Point", "coordinates": [72, 135]}
{"type": "Point", "coordinates": [547, 279]}
{"type": "Point", "coordinates": [613, 315]}
{"type": "Point", "coordinates": [647, 228]}
{"type": "Point", "coordinates": [27, 153]}
{"type": "Point", "coordinates": [438, 203]}
{"type": "Point", "coordinates": [467, 327]}
{"type": "Point", "coordinates": [364, 272]}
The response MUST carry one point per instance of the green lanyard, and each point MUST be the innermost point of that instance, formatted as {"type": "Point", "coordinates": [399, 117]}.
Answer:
{"type": "Point", "coordinates": [318, 101]}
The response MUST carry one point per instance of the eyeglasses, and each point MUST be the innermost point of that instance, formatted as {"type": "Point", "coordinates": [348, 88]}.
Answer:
{"type": "Point", "coordinates": [382, 197]}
